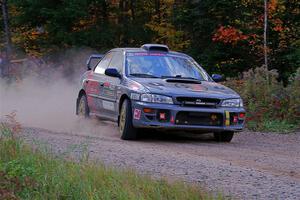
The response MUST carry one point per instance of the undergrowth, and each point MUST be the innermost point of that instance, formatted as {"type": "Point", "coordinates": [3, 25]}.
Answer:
{"type": "Point", "coordinates": [28, 173]}
{"type": "Point", "coordinates": [270, 105]}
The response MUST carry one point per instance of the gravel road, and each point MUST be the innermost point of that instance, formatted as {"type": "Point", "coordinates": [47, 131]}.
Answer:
{"type": "Point", "coordinates": [252, 166]}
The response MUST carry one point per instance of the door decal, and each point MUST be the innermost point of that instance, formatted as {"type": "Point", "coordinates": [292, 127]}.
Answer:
{"type": "Point", "coordinates": [108, 105]}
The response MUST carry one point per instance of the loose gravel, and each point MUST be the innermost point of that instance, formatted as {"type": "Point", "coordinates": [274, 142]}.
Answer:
{"type": "Point", "coordinates": [252, 166]}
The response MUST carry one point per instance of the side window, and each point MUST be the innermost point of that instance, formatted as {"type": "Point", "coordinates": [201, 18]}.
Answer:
{"type": "Point", "coordinates": [117, 61]}
{"type": "Point", "coordinates": [93, 62]}
{"type": "Point", "coordinates": [103, 64]}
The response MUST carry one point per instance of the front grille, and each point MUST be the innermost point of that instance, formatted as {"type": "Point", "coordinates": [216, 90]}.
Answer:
{"type": "Point", "coordinates": [199, 102]}
{"type": "Point", "coordinates": [199, 118]}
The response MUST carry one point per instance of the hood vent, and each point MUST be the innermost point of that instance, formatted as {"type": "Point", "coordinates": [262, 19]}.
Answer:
{"type": "Point", "coordinates": [180, 80]}
{"type": "Point", "coordinates": [155, 47]}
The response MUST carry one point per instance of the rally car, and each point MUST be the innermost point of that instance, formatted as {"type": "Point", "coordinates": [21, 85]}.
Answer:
{"type": "Point", "coordinates": [152, 87]}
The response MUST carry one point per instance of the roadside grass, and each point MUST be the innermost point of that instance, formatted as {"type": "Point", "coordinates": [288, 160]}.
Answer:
{"type": "Point", "coordinates": [27, 173]}
{"type": "Point", "coordinates": [276, 126]}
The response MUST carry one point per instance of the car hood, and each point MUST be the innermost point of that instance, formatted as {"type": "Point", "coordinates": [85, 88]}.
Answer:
{"type": "Point", "coordinates": [206, 89]}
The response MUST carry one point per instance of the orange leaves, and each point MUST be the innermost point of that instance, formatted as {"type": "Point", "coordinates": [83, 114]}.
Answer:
{"type": "Point", "coordinates": [272, 6]}
{"type": "Point", "coordinates": [229, 35]}
{"type": "Point", "coordinates": [278, 25]}
{"type": "Point", "coordinates": [84, 24]}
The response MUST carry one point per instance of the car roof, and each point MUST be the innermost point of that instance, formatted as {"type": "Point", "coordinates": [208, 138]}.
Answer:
{"type": "Point", "coordinates": [134, 50]}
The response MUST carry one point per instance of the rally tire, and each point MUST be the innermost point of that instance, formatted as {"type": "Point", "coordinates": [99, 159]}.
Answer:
{"type": "Point", "coordinates": [225, 136]}
{"type": "Point", "coordinates": [126, 129]}
{"type": "Point", "coordinates": [83, 108]}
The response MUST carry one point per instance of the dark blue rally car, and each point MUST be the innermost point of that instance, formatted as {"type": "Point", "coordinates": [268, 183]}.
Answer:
{"type": "Point", "coordinates": [153, 87]}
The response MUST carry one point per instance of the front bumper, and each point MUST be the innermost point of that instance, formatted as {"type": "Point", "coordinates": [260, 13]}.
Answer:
{"type": "Point", "coordinates": [176, 117]}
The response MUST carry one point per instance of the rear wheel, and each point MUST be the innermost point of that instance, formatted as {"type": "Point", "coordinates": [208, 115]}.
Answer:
{"type": "Point", "coordinates": [127, 131]}
{"type": "Point", "coordinates": [225, 136]}
{"type": "Point", "coordinates": [83, 109]}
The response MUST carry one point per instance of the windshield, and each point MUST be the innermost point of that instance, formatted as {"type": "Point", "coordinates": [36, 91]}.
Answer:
{"type": "Point", "coordinates": [163, 65]}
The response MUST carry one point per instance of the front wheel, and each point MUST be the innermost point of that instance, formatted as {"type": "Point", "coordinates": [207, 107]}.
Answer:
{"type": "Point", "coordinates": [127, 131]}
{"type": "Point", "coordinates": [225, 136]}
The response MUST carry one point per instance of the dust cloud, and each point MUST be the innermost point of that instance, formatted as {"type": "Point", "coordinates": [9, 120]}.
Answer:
{"type": "Point", "coordinates": [47, 99]}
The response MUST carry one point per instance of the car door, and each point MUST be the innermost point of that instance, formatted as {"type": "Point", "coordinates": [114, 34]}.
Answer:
{"type": "Point", "coordinates": [111, 87]}
{"type": "Point", "coordinates": [95, 82]}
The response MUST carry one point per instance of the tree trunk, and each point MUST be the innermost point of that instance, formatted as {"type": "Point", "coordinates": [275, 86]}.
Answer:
{"type": "Point", "coordinates": [6, 62]}
{"type": "Point", "coordinates": [123, 22]}
{"type": "Point", "coordinates": [265, 32]}
{"type": "Point", "coordinates": [104, 12]}
{"type": "Point", "coordinates": [132, 8]}
{"type": "Point", "coordinates": [157, 10]}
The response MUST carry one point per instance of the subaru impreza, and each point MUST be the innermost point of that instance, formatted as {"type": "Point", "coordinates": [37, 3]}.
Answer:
{"type": "Point", "coordinates": [152, 87]}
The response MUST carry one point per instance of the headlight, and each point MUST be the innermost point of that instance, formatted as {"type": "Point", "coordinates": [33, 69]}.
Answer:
{"type": "Point", "coordinates": [232, 103]}
{"type": "Point", "coordinates": [155, 98]}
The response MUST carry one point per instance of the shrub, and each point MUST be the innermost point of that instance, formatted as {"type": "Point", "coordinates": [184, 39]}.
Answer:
{"type": "Point", "coordinates": [294, 90]}
{"type": "Point", "coordinates": [267, 101]}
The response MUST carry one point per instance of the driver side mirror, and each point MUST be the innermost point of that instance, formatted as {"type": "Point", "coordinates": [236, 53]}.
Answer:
{"type": "Point", "coordinates": [113, 72]}
{"type": "Point", "coordinates": [217, 78]}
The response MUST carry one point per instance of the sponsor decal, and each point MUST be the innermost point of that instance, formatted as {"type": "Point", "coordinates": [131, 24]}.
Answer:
{"type": "Point", "coordinates": [191, 87]}
{"type": "Point", "coordinates": [134, 86]}
{"type": "Point", "coordinates": [156, 84]}
{"type": "Point", "coordinates": [137, 114]}
{"type": "Point", "coordinates": [137, 54]}
{"type": "Point", "coordinates": [106, 84]}
{"type": "Point", "coordinates": [146, 54]}
{"type": "Point", "coordinates": [227, 118]}
{"type": "Point", "coordinates": [198, 88]}
{"type": "Point", "coordinates": [108, 105]}
{"type": "Point", "coordinates": [181, 85]}
{"type": "Point", "coordinates": [91, 102]}
{"type": "Point", "coordinates": [156, 54]}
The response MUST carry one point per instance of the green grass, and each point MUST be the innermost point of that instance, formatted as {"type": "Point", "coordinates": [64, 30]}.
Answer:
{"type": "Point", "coordinates": [31, 174]}
{"type": "Point", "coordinates": [279, 126]}
{"type": "Point", "coordinates": [276, 126]}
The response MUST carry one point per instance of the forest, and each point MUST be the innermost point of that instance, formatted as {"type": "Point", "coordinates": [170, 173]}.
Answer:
{"type": "Point", "coordinates": [223, 36]}
{"type": "Point", "coordinates": [234, 38]}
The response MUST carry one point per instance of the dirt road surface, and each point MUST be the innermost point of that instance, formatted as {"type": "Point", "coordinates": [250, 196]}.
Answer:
{"type": "Point", "coordinates": [252, 166]}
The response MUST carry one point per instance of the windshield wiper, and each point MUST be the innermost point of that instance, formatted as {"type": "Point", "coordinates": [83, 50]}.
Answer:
{"type": "Point", "coordinates": [143, 75]}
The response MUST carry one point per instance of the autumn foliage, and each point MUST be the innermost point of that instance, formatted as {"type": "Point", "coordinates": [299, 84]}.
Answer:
{"type": "Point", "coordinates": [224, 36]}
{"type": "Point", "coordinates": [229, 35]}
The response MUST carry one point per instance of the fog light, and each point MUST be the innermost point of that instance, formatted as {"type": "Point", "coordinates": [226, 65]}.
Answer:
{"type": "Point", "coordinates": [214, 117]}
{"type": "Point", "coordinates": [242, 115]}
{"type": "Point", "coordinates": [162, 116]}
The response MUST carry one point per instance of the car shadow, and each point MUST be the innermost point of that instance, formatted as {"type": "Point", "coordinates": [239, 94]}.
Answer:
{"type": "Point", "coordinates": [176, 137]}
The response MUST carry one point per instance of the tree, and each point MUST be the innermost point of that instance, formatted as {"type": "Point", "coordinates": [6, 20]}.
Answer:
{"type": "Point", "coordinates": [226, 37]}
{"type": "Point", "coordinates": [265, 32]}
{"type": "Point", "coordinates": [7, 36]}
